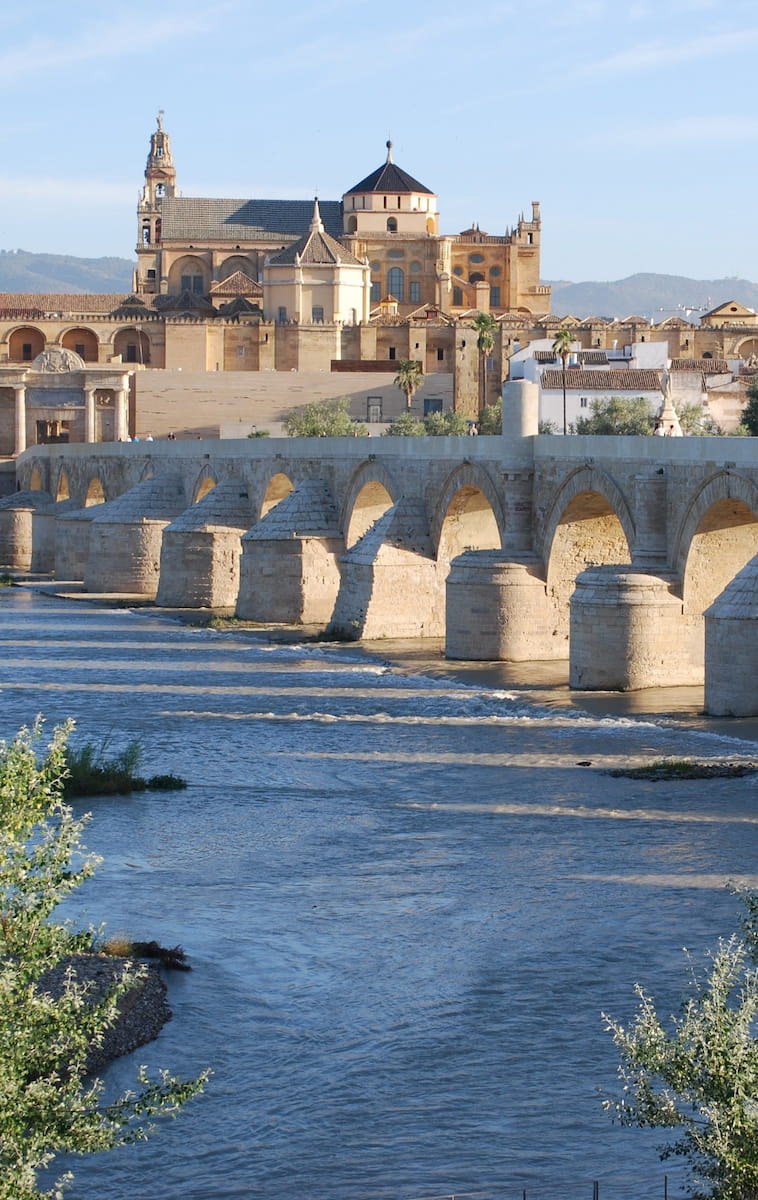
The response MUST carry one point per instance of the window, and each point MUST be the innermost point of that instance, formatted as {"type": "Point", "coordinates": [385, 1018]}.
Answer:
{"type": "Point", "coordinates": [281, 314]}
{"type": "Point", "coordinates": [414, 291]}
{"type": "Point", "coordinates": [391, 225]}
{"type": "Point", "coordinates": [373, 409]}
{"type": "Point", "coordinates": [432, 405]}
{"type": "Point", "coordinates": [145, 235]}
{"type": "Point", "coordinates": [375, 266]}
{"type": "Point", "coordinates": [440, 354]}
{"type": "Point", "coordinates": [186, 283]}
{"type": "Point", "coordinates": [240, 352]}
{"type": "Point", "coordinates": [495, 297]}
{"type": "Point", "coordinates": [476, 258]}
{"type": "Point", "coordinates": [151, 273]}
{"type": "Point", "coordinates": [415, 266]}
{"type": "Point", "coordinates": [494, 272]}
{"type": "Point", "coordinates": [396, 254]}
{"type": "Point", "coordinates": [131, 352]}
{"type": "Point", "coordinates": [457, 296]}
{"type": "Point", "coordinates": [352, 224]}
{"type": "Point", "coordinates": [475, 277]}
{"type": "Point", "coordinates": [457, 270]}
{"type": "Point", "coordinates": [79, 349]}
{"type": "Point", "coordinates": [160, 191]}
{"type": "Point", "coordinates": [396, 283]}
{"type": "Point", "coordinates": [26, 352]}
{"type": "Point", "coordinates": [317, 314]}
{"type": "Point", "coordinates": [583, 402]}
{"type": "Point", "coordinates": [392, 353]}
{"type": "Point", "coordinates": [376, 292]}
{"type": "Point", "coordinates": [192, 283]}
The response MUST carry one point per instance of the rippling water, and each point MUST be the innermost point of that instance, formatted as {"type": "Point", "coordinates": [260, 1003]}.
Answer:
{"type": "Point", "coordinates": [405, 904]}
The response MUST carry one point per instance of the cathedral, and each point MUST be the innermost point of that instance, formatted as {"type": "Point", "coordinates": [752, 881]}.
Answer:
{"type": "Point", "coordinates": [335, 261]}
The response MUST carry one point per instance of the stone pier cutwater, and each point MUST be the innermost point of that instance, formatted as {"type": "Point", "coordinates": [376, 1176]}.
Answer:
{"type": "Point", "coordinates": [607, 552]}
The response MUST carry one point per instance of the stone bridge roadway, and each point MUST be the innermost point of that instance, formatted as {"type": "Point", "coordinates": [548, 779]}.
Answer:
{"type": "Point", "coordinates": [607, 551]}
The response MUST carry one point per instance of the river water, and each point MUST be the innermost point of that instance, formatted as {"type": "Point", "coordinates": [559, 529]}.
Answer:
{"type": "Point", "coordinates": [405, 903]}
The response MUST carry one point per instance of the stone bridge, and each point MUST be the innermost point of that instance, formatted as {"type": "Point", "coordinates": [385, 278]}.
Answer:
{"type": "Point", "coordinates": [606, 551]}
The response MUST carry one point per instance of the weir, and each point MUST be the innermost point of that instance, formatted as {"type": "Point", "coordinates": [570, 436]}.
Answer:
{"type": "Point", "coordinates": [604, 551]}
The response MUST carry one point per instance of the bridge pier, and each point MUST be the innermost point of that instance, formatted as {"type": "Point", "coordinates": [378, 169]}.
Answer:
{"type": "Point", "coordinates": [628, 632]}
{"type": "Point", "coordinates": [390, 580]}
{"type": "Point", "coordinates": [731, 623]}
{"type": "Point", "coordinates": [125, 537]}
{"type": "Point", "coordinates": [17, 517]}
{"type": "Point", "coordinates": [289, 570]}
{"type": "Point", "coordinates": [72, 534]}
{"type": "Point", "coordinates": [201, 549]}
{"type": "Point", "coordinates": [498, 609]}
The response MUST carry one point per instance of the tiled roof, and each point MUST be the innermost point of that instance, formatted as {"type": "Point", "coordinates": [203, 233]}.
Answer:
{"type": "Point", "coordinates": [316, 248]}
{"type": "Point", "coordinates": [708, 366]}
{"type": "Point", "coordinates": [618, 380]}
{"type": "Point", "coordinates": [238, 284]}
{"type": "Point", "coordinates": [389, 178]}
{"type": "Point", "coordinates": [189, 219]}
{"type": "Point", "coordinates": [74, 303]}
{"type": "Point", "coordinates": [593, 358]}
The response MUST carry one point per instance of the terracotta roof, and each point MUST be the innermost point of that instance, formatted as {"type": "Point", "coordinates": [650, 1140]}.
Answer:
{"type": "Point", "coordinates": [73, 303]}
{"type": "Point", "coordinates": [708, 366]}
{"type": "Point", "coordinates": [238, 284]}
{"type": "Point", "coordinates": [188, 219]}
{"type": "Point", "coordinates": [615, 380]}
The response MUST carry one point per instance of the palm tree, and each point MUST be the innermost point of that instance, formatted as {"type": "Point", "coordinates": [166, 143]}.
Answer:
{"type": "Point", "coordinates": [409, 378]}
{"type": "Point", "coordinates": [562, 348]}
{"type": "Point", "coordinates": [485, 326]}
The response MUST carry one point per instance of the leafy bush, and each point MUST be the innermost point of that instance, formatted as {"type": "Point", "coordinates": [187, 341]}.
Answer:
{"type": "Point", "coordinates": [326, 418]}
{"type": "Point", "coordinates": [617, 415]}
{"type": "Point", "coordinates": [50, 1104]}
{"type": "Point", "coordinates": [90, 772]}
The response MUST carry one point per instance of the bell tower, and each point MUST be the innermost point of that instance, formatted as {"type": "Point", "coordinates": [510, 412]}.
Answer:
{"type": "Point", "coordinates": [160, 184]}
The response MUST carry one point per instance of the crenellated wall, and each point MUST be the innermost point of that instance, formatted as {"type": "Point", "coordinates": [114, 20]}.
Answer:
{"type": "Point", "coordinates": [481, 540]}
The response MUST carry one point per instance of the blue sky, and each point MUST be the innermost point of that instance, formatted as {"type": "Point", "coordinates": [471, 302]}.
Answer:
{"type": "Point", "coordinates": [634, 123]}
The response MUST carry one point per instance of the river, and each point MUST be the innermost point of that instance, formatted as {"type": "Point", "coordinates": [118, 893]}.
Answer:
{"type": "Point", "coordinates": [405, 902]}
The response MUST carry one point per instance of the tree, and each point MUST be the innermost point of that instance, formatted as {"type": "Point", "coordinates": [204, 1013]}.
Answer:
{"type": "Point", "coordinates": [694, 421]}
{"type": "Point", "coordinates": [491, 418]}
{"type": "Point", "coordinates": [485, 326]}
{"type": "Point", "coordinates": [562, 347]}
{"type": "Point", "coordinates": [324, 418]}
{"type": "Point", "coordinates": [701, 1077]}
{"type": "Point", "coordinates": [436, 424]}
{"type": "Point", "coordinates": [750, 411]}
{"type": "Point", "coordinates": [48, 1103]}
{"type": "Point", "coordinates": [617, 415]}
{"type": "Point", "coordinates": [409, 378]}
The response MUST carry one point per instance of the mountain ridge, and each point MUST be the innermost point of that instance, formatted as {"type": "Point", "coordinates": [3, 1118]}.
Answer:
{"type": "Point", "coordinates": [644, 294]}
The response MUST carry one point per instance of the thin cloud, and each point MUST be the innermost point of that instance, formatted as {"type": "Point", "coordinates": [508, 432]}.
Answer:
{"type": "Point", "coordinates": [679, 131]}
{"type": "Point", "coordinates": [658, 54]}
{"type": "Point", "coordinates": [100, 43]}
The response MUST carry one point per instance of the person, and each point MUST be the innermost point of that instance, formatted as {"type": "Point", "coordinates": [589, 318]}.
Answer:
{"type": "Point", "coordinates": [171, 437]}
{"type": "Point", "coordinates": [659, 431]}
{"type": "Point", "coordinates": [149, 437]}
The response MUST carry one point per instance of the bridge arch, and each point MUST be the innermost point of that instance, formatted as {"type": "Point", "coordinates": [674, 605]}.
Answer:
{"type": "Point", "coordinates": [204, 483]}
{"type": "Point", "coordinates": [371, 491]}
{"type": "Point", "coordinates": [62, 487]}
{"type": "Point", "coordinates": [589, 524]}
{"type": "Point", "coordinates": [95, 493]}
{"type": "Point", "coordinates": [279, 486]}
{"type": "Point", "coordinates": [469, 514]}
{"type": "Point", "coordinates": [717, 538]}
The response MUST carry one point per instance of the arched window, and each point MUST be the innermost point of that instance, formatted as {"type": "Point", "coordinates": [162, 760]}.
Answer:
{"type": "Point", "coordinates": [457, 296]}
{"type": "Point", "coordinates": [475, 277]}
{"type": "Point", "coordinates": [396, 283]}
{"type": "Point", "coordinates": [352, 224]}
{"type": "Point", "coordinates": [391, 225]}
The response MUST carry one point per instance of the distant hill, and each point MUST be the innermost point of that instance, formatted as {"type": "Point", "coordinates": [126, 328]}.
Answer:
{"type": "Point", "coordinates": [643, 295]}
{"type": "Point", "coordinates": [22, 271]}
{"type": "Point", "coordinates": [652, 296]}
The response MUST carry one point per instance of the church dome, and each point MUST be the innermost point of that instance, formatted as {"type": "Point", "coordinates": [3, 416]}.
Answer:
{"type": "Point", "coordinates": [389, 178]}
